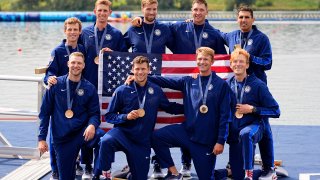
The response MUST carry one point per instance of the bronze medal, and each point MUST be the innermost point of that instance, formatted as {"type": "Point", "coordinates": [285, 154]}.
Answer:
{"type": "Point", "coordinates": [141, 112]}
{"type": "Point", "coordinates": [68, 113]}
{"type": "Point", "coordinates": [238, 115]}
{"type": "Point", "coordinates": [237, 46]}
{"type": "Point", "coordinates": [96, 60]}
{"type": "Point", "coordinates": [203, 109]}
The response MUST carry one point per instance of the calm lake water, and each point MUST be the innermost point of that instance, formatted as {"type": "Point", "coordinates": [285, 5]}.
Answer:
{"type": "Point", "coordinates": [294, 78]}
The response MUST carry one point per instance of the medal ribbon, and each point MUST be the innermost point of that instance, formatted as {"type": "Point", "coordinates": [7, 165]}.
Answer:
{"type": "Point", "coordinates": [141, 104]}
{"type": "Point", "coordinates": [99, 45]}
{"type": "Point", "coordinates": [197, 42]}
{"type": "Point", "coordinates": [245, 43]}
{"type": "Point", "coordinates": [239, 99]}
{"type": "Point", "coordinates": [69, 102]}
{"type": "Point", "coordinates": [148, 43]}
{"type": "Point", "coordinates": [204, 97]}
{"type": "Point", "coordinates": [67, 49]}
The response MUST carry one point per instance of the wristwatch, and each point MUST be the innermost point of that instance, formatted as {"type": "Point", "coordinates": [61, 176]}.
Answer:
{"type": "Point", "coordinates": [254, 109]}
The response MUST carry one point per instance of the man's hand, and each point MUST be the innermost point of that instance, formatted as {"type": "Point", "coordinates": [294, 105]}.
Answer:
{"type": "Point", "coordinates": [129, 79]}
{"type": "Point", "coordinates": [194, 75]}
{"type": "Point", "coordinates": [89, 132]}
{"type": "Point", "coordinates": [188, 20]}
{"type": "Point", "coordinates": [218, 149]}
{"type": "Point", "coordinates": [42, 146]}
{"type": "Point", "coordinates": [133, 115]}
{"type": "Point", "coordinates": [106, 49]}
{"type": "Point", "coordinates": [136, 22]}
{"type": "Point", "coordinates": [52, 80]}
{"type": "Point", "coordinates": [244, 108]}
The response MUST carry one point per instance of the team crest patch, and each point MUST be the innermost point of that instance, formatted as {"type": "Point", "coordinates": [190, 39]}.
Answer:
{"type": "Point", "coordinates": [80, 92]}
{"type": "Point", "coordinates": [150, 90]}
{"type": "Point", "coordinates": [108, 37]}
{"type": "Point", "coordinates": [247, 89]}
{"type": "Point", "coordinates": [210, 87]}
{"type": "Point", "coordinates": [250, 41]}
{"type": "Point", "coordinates": [205, 35]}
{"type": "Point", "coordinates": [157, 32]}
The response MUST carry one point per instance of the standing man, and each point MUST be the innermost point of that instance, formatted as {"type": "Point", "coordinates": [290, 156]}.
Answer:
{"type": "Point", "coordinates": [207, 111]}
{"type": "Point", "coordinates": [71, 107]}
{"type": "Point", "coordinates": [100, 36]}
{"type": "Point", "coordinates": [152, 36]}
{"type": "Point", "coordinates": [189, 36]}
{"type": "Point", "coordinates": [58, 66]}
{"type": "Point", "coordinates": [133, 111]}
{"type": "Point", "coordinates": [251, 104]}
{"type": "Point", "coordinates": [257, 44]}
{"type": "Point", "coordinates": [252, 40]}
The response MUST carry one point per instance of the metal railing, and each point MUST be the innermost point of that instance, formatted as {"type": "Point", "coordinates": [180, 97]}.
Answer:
{"type": "Point", "coordinates": [21, 152]}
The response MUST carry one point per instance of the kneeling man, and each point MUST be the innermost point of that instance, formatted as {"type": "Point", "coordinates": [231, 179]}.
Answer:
{"type": "Point", "coordinates": [133, 111]}
{"type": "Point", "coordinates": [72, 108]}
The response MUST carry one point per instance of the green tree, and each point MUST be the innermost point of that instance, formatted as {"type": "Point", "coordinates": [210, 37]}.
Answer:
{"type": "Point", "coordinates": [231, 4]}
{"type": "Point", "coordinates": [26, 5]}
{"type": "Point", "coordinates": [166, 5]}
{"type": "Point", "coordinates": [185, 4]}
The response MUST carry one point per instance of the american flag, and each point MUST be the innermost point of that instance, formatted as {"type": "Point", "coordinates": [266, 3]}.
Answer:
{"type": "Point", "coordinates": [114, 67]}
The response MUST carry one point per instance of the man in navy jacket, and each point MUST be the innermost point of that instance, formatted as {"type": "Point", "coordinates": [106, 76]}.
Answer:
{"type": "Point", "coordinates": [252, 104]}
{"type": "Point", "coordinates": [71, 107]}
{"type": "Point", "coordinates": [207, 111]}
{"type": "Point", "coordinates": [257, 44]}
{"type": "Point", "coordinates": [133, 111]}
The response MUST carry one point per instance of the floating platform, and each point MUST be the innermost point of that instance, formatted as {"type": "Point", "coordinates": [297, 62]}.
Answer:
{"type": "Point", "coordinates": [296, 146]}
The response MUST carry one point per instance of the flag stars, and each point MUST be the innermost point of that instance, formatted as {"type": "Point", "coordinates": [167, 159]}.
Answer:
{"type": "Point", "coordinates": [118, 69]}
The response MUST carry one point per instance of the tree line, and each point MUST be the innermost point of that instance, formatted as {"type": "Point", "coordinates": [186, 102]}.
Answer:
{"type": "Point", "coordinates": [88, 5]}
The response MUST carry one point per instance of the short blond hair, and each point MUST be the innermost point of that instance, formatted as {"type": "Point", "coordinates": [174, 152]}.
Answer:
{"type": "Point", "coordinates": [200, 2]}
{"type": "Point", "coordinates": [237, 52]}
{"type": "Point", "coordinates": [103, 2]}
{"type": "Point", "coordinates": [72, 20]}
{"type": "Point", "coordinates": [206, 51]}
{"type": "Point", "coordinates": [145, 2]}
{"type": "Point", "coordinates": [77, 54]}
